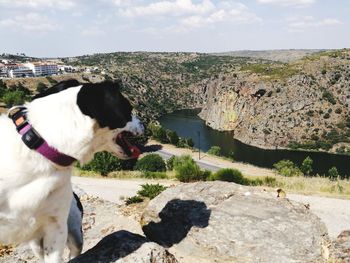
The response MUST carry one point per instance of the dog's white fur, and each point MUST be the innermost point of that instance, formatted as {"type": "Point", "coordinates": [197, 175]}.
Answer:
{"type": "Point", "coordinates": [35, 194]}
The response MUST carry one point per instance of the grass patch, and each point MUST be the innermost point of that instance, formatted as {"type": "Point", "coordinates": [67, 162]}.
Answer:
{"type": "Point", "coordinates": [274, 71]}
{"type": "Point", "coordinates": [134, 200]}
{"type": "Point", "coordinates": [316, 185]}
{"type": "Point", "coordinates": [154, 175]}
{"type": "Point", "coordinates": [151, 190]}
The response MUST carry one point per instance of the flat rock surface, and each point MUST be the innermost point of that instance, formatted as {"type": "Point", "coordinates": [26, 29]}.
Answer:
{"type": "Point", "coordinates": [226, 222]}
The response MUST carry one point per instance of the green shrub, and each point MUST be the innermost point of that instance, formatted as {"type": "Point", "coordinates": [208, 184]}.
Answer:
{"type": "Point", "coordinates": [157, 132]}
{"type": "Point", "coordinates": [185, 143]}
{"type": "Point", "coordinates": [104, 163]}
{"type": "Point", "coordinates": [287, 168]}
{"type": "Point", "coordinates": [170, 163]}
{"type": "Point", "coordinates": [151, 190]}
{"type": "Point", "coordinates": [230, 175]}
{"type": "Point", "coordinates": [151, 163]}
{"type": "Point", "coordinates": [13, 97]}
{"type": "Point", "coordinates": [333, 173]}
{"type": "Point", "coordinates": [189, 142]}
{"type": "Point", "coordinates": [133, 200]}
{"type": "Point", "coordinates": [40, 87]}
{"type": "Point", "coordinates": [186, 169]}
{"type": "Point", "coordinates": [172, 137]}
{"type": "Point", "coordinates": [306, 166]}
{"type": "Point", "coordinates": [215, 150]}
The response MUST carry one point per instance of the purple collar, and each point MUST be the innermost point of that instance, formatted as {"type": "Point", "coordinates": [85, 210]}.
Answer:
{"type": "Point", "coordinates": [34, 141]}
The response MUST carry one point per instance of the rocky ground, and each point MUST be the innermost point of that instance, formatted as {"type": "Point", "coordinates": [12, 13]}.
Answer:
{"type": "Point", "coordinates": [209, 222]}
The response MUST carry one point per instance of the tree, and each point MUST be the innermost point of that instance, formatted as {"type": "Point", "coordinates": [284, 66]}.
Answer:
{"type": "Point", "coordinates": [333, 173]}
{"type": "Point", "coordinates": [306, 166]}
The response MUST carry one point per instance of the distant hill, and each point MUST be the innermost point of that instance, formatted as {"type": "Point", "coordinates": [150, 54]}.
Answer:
{"type": "Point", "coordinates": [282, 55]}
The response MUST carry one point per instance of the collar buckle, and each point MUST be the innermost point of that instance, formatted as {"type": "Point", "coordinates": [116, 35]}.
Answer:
{"type": "Point", "coordinates": [32, 139]}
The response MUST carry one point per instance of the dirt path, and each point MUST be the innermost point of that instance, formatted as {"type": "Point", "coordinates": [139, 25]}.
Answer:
{"type": "Point", "coordinates": [335, 213]}
{"type": "Point", "coordinates": [246, 169]}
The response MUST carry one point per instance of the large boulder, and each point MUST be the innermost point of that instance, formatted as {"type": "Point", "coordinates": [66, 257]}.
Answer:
{"type": "Point", "coordinates": [226, 222]}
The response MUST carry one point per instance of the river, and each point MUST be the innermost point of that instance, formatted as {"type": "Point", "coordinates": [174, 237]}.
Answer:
{"type": "Point", "coordinates": [187, 124]}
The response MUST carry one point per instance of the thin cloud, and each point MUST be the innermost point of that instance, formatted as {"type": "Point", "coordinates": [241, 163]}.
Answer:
{"type": "Point", "coordinates": [30, 22]}
{"type": "Point", "coordinates": [181, 16]}
{"type": "Point", "coordinates": [295, 3]}
{"type": "Point", "coordinates": [168, 8]}
{"type": "Point", "coordinates": [38, 4]}
{"type": "Point", "coordinates": [300, 24]}
{"type": "Point", "coordinates": [238, 14]}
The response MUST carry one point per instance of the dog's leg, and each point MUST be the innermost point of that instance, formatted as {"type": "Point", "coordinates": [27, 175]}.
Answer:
{"type": "Point", "coordinates": [54, 241]}
{"type": "Point", "coordinates": [74, 246]}
{"type": "Point", "coordinates": [37, 247]}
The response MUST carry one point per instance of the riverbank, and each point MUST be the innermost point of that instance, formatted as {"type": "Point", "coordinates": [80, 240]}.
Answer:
{"type": "Point", "coordinates": [187, 124]}
{"type": "Point", "coordinates": [246, 169]}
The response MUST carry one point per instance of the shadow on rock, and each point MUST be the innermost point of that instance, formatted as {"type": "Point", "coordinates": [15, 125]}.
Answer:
{"type": "Point", "coordinates": [112, 247]}
{"type": "Point", "coordinates": [177, 219]}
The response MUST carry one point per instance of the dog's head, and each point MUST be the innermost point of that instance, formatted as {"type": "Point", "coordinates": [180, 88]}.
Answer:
{"type": "Point", "coordinates": [105, 103]}
{"type": "Point", "coordinates": [112, 113]}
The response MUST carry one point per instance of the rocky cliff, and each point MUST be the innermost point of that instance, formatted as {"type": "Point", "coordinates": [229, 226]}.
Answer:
{"type": "Point", "coordinates": [305, 102]}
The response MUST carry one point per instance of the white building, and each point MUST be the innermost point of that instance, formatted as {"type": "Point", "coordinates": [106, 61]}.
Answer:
{"type": "Point", "coordinates": [43, 69]}
{"type": "Point", "coordinates": [3, 71]}
{"type": "Point", "coordinates": [20, 71]}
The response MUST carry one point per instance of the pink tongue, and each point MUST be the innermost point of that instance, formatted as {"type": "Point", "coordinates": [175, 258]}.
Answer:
{"type": "Point", "coordinates": [135, 151]}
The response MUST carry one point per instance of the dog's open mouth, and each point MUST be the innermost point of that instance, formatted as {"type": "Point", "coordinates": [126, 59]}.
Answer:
{"type": "Point", "coordinates": [130, 150]}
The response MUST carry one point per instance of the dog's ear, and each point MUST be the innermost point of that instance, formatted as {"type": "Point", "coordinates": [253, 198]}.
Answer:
{"type": "Point", "coordinates": [63, 85]}
{"type": "Point", "coordinates": [105, 103]}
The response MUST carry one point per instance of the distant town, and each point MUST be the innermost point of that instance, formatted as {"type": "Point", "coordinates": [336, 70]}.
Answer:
{"type": "Point", "coordinates": [14, 68]}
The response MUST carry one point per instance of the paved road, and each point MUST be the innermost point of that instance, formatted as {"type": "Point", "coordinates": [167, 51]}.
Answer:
{"type": "Point", "coordinates": [206, 166]}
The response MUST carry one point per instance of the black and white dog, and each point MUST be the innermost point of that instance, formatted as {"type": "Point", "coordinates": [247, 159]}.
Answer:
{"type": "Point", "coordinates": [38, 146]}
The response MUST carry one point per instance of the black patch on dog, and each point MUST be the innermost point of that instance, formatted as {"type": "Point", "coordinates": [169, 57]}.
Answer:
{"type": "Point", "coordinates": [79, 205]}
{"type": "Point", "coordinates": [105, 103]}
{"type": "Point", "coordinates": [63, 85]}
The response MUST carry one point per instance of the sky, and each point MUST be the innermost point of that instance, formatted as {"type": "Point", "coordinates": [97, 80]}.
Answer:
{"type": "Point", "coordinates": [59, 28]}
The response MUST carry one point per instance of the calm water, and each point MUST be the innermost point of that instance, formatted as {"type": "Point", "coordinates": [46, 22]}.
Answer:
{"type": "Point", "coordinates": [187, 124]}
